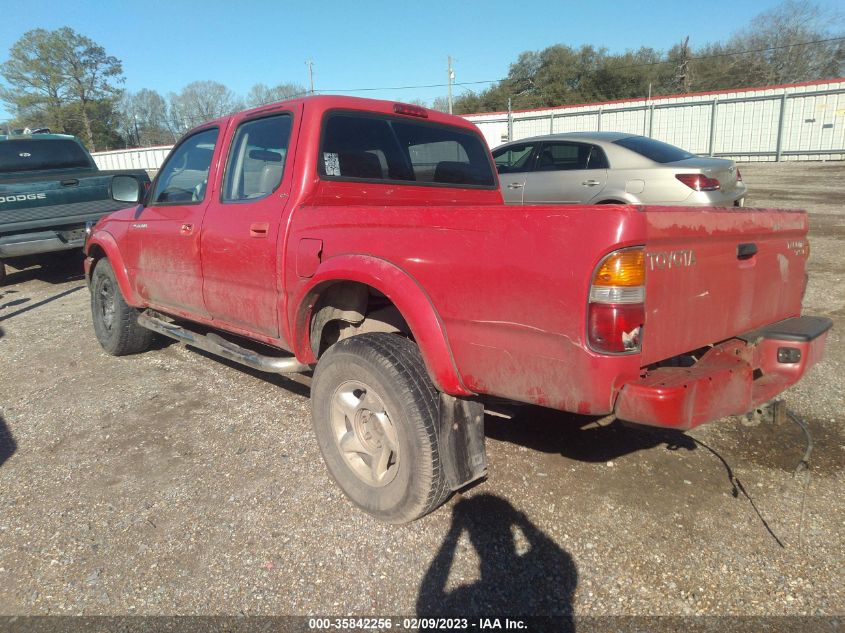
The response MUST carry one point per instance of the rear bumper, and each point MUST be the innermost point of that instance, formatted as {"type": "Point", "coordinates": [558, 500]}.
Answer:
{"type": "Point", "coordinates": [730, 379]}
{"type": "Point", "coordinates": [38, 242]}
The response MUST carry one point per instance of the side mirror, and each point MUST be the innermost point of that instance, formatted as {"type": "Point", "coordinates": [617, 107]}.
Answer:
{"type": "Point", "coordinates": [126, 189]}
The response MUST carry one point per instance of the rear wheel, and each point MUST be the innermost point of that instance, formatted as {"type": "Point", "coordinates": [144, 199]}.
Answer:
{"type": "Point", "coordinates": [375, 412]}
{"type": "Point", "coordinates": [115, 322]}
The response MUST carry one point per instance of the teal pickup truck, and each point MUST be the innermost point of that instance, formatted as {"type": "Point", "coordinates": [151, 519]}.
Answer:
{"type": "Point", "coordinates": [50, 188]}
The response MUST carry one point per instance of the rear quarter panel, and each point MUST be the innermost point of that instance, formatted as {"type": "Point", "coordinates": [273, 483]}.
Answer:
{"type": "Point", "coordinates": [509, 284]}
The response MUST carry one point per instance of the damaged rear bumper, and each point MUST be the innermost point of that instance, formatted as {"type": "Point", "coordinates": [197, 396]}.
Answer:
{"type": "Point", "coordinates": [730, 379]}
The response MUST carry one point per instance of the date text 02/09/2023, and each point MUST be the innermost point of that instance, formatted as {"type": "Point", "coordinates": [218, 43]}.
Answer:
{"type": "Point", "coordinates": [363, 624]}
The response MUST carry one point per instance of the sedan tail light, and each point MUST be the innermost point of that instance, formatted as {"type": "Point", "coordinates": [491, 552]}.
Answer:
{"type": "Point", "coordinates": [617, 294]}
{"type": "Point", "coordinates": [699, 182]}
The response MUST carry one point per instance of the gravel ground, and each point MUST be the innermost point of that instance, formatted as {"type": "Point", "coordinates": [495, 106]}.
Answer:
{"type": "Point", "coordinates": [170, 483]}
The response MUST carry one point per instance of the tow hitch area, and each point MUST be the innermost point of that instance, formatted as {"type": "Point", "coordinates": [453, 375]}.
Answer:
{"type": "Point", "coordinates": [729, 379]}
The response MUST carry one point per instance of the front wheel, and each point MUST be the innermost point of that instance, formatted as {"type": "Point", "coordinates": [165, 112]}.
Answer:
{"type": "Point", "coordinates": [115, 322]}
{"type": "Point", "coordinates": [375, 412]}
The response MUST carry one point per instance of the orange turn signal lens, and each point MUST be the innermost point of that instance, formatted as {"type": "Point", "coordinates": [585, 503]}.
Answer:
{"type": "Point", "coordinates": [622, 268]}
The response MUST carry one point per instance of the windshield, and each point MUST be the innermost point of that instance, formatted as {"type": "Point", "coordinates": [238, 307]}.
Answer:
{"type": "Point", "coordinates": [36, 154]}
{"type": "Point", "coordinates": [658, 151]}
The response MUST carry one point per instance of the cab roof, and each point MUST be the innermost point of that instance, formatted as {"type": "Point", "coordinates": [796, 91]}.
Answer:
{"type": "Point", "coordinates": [321, 103]}
{"type": "Point", "coordinates": [39, 136]}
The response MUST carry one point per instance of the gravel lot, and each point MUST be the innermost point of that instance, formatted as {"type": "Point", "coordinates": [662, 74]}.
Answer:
{"type": "Point", "coordinates": [170, 483]}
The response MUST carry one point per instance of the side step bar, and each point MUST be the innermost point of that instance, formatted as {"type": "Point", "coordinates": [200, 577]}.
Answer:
{"type": "Point", "coordinates": [221, 347]}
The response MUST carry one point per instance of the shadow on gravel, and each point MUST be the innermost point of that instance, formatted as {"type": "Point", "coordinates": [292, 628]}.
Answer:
{"type": "Point", "coordinates": [7, 442]}
{"type": "Point", "coordinates": [279, 380]}
{"type": "Point", "coordinates": [58, 269]}
{"type": "Point", "coordinates": [33, 306]}
{"type": "Point", "coordinates": [13, 303]}
{"type": "Point", "coordinates": [523, 571]}
{"type": "Point", "coordinates": [579, 436]}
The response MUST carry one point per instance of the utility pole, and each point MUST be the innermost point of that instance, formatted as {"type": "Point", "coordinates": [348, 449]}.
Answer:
{"type": "Point", "coordinates": [682, 78]}
{"type": "Point", "coordinates": [310, 65]}
{"type": "Point", "coordinates": [451, 76]}
{"type": "Point", "coordinates": [137, 136]}
{"type": "Point", "coordinates": [510, 120]}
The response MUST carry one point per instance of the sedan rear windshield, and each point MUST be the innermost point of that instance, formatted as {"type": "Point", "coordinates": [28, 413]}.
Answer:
{"type": "Point", "coordinates": [365, 146]}
{"type": "Point", "coordinates": [19, 155]}
{"type": "Point", "coordinates": [657, 151]}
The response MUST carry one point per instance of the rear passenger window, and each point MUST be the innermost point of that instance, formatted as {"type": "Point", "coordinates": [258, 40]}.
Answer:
{"type": "Point", "coordinates": [513, 158]}
{"type": "Point", "coordinates": [357, 146]}
{"type": "Point", "coordinates": [598, 159]}
{"type": "Point", "coordinates": [257, 158]}
{"type": "Point", "coordinates": [562, 156]}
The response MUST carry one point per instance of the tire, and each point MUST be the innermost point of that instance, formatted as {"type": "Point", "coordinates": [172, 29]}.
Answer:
{"type": "Point", "coordinates": [115, 322]}
{"type": "Point", "coordinates": [372, 396]}
{"type": "Point", "coordinates": [2, 273]}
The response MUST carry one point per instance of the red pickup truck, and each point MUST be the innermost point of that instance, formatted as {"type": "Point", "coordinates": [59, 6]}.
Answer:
{"type": "Point", "coordinates": [368, 241]}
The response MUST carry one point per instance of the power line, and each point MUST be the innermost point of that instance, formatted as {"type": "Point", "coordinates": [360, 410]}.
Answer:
{"type": "Point", "coordinates": [657, 63]}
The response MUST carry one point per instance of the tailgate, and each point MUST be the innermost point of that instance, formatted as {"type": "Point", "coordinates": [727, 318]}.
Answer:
{"type": "Point", "coordinates": [715, 273]}
{"type": "Point", "coordinates": [54, 200]}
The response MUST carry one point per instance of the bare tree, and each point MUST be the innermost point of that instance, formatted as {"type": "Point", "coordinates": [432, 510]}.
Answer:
{"type": "Point", "coordinates": [201, 101]}
{"type": "Point", "coordinates": [784, 45]}
{"type": "Point", "coordinates": [261, 94]}
{"type": "Point", "coordinates": [144, 119]}
{"type": "Point", "coordinates": [440, 103]}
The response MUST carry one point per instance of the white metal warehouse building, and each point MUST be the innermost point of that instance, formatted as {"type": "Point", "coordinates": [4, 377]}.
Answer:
{"type": "Point", "coordinates": [791, 122]}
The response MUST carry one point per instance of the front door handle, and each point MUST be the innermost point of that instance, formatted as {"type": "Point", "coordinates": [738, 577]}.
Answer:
{"type": "Point", "coordinates": [591, 183]}
{"type": "Point", "coordinates": [516, 185]}
{"type": "Point", "coordinates": [186, 229]}
{"type": "Point", "coordinates": [259, 229]}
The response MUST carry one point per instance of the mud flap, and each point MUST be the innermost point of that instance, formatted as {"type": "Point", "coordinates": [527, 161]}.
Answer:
{"type": "Point", "coordinates": [461, 440]}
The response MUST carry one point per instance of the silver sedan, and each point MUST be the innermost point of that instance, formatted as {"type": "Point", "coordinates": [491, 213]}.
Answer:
{"type": "Point", "coordinates": [613, 168]}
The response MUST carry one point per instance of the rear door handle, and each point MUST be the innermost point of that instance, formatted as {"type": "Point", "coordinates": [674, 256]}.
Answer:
{"type": "Point", "coordinates": [259, 229]}
{"type": "Point", "coordinates": [591, 183]}
{"type": "Point", "coordinates": [516, 185]}
{"type": "Point", "coordinates": [186, 229]}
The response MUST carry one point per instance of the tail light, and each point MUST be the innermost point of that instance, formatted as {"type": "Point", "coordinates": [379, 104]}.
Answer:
{"type": "Point", "coordinates": [616, 309]}
{"type": "Point", "coordinates": [699, 182]}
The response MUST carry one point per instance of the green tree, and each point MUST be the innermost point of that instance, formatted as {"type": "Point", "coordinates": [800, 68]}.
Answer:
{"type": "Point", "coordinates": [36, 87]}
{"type": "Point", "coordinates": [51, 75]}
{"type": "Point", "coordinates": [783, 45]}
{"type": "Point", "coordinates": [90, 75]}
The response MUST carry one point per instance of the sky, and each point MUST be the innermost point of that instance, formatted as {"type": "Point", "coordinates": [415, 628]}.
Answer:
{"type": "Point", "coordinates": [165, 45]}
